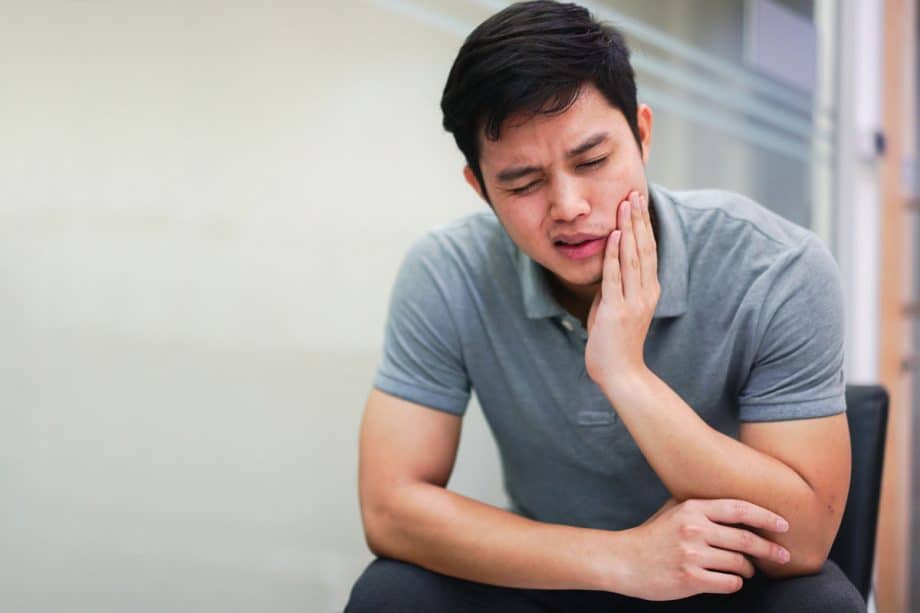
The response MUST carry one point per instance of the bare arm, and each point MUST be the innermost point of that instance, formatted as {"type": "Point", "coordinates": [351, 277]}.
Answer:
{"type": "Point", "coordinates": [797, 469]}
{"type": "Point", "coordinates": [407, 454]}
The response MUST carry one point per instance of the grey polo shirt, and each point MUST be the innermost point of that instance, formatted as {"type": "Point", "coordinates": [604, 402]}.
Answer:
{"type": "Point", "coordinates": [749, 327]}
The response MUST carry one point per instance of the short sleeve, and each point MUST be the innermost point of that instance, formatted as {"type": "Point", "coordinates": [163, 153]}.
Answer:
{"type": "Point", "coordinates": [422, 359]}
{"type": "Point", "coordinates": [797, 371]}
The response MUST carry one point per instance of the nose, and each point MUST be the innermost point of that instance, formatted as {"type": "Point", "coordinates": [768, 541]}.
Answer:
{"type": "Point", "coordinates": [566, 201]}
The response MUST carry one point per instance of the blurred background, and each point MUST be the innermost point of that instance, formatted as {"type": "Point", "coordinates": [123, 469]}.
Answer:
{"type": "Point", "coordinates": [203, 205]}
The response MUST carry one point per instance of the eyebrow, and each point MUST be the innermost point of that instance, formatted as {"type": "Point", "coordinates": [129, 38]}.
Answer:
{"type": "Point", "coordinates": [516, 172]}
{"type": "Point", "coordinates": [591, 142]}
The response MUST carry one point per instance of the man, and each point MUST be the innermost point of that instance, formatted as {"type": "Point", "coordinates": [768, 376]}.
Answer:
{"type": "Point", "coordinates": [661, 370]}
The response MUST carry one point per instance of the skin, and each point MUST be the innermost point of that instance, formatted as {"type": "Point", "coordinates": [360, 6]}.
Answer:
{"type": "Point", "coordinates": [772, 499]}
{"type": "Point", "coordinates": [565, 194]}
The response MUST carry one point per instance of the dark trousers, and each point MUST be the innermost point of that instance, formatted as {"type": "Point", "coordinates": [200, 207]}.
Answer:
{"type": "Point", "coordinates": [390, 586]}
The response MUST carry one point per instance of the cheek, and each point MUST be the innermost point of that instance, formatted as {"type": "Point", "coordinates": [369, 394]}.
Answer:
{"type": "Point", "coordinates": [624, 173]}
{"type": "Point", "coordinates": [609, 187]}
{"type": "Point", "coordinates": [524, 221]}
{"type": "Point", "coordinates": [615, 184]}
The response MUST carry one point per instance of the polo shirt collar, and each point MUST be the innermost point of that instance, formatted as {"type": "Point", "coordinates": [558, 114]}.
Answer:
{"type": "Point", "coordinates": [538, 299]}
{"type": "Point", "coordinates": [673, 267]}
{"type": "Point", "coordinates": [673, 262]}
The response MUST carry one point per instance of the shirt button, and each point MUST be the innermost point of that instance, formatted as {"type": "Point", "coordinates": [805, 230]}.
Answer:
{"type": "Point", "coordinates": [567, 325]}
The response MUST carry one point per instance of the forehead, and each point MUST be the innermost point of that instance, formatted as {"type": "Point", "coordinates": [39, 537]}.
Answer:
{"type": "Point", "coordinates": [525, 136]}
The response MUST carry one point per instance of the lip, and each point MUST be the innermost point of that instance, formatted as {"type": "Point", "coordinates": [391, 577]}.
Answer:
{"type": "Point", "coordinates": [577, 238]}
{"type": "Point", "coordinates": [585, 249]}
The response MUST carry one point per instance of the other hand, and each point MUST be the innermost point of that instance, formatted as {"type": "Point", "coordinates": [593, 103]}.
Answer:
{"type": "Point", "coordinates": [697, 546]}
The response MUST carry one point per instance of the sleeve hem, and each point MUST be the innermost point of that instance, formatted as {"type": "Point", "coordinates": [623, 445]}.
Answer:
{"type": "Point", "coordinates": [455, 404]}
{"type": "Point", "coordinates": [784, 411]}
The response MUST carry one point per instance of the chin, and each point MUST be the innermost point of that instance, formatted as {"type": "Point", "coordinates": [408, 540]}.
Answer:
{"type": "Point", "coordinates": [584, 279]}
{"type": "Point", "coordinates": [595, 280]}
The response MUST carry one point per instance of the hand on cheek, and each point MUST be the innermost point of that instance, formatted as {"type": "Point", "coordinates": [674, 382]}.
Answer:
{"type": "Point", "coordinates": [622, 310]}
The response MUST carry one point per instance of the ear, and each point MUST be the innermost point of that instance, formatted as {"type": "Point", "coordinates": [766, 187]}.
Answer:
{"type": "Point", "coordinates": [644, 119]}
{"type": "Point", "coordinates": [473, 182]}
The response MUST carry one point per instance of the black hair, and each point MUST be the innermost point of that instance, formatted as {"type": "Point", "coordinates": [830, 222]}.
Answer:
{"type": "Point", "coordinates": [533, 58]}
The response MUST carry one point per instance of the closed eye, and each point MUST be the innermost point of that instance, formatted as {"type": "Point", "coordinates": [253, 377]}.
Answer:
{"type": "Point", "coordinates": [517, 191]}
{"type": "Point", "coordinates": [593, 163]}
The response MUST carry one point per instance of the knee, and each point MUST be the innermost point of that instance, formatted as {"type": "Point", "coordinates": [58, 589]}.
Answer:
{"type": "Point", "coordinates": [387, 585]}
{"type": "Point", "coordinates": [829, 591]}
{"type": "Point", "coordinates": [839, 601]}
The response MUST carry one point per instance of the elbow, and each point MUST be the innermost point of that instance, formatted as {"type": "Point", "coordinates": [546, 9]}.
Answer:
{"type": "Point", "coordinates": [374, 542]}
{"type": "Point", "coordinates": [793, 568]}
{"type": "Point", "coordinates": [374, 532]}
{"type": "Point", "coordinates": [803, 561]}
{"type": "Point", "coordinates": [377, 520]}
{"type": "Point", "coordinates": [808, 548]}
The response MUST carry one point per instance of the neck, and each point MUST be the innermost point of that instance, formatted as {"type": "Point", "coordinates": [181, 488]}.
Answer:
{"type": "Point", "coordinates": [574, 299]}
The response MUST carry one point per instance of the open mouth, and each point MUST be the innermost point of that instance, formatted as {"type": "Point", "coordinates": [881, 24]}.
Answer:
{"type": "Point", "coordinates": [581, 248]}
{"type": "Point", "coordinates": [574, 244]}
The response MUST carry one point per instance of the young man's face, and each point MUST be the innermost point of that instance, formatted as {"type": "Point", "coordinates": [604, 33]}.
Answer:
{"type": "Point", "coordinates": [556, 181]}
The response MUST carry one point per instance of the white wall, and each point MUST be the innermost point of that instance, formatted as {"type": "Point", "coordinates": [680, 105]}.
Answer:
{"type": "Point", "coordinates": [202, 207]}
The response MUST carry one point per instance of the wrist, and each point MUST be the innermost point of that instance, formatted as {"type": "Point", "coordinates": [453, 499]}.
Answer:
{"type": "Point", "coordinates": [610, 561]}
{"type": "Point", "coordinates": [623, 384]}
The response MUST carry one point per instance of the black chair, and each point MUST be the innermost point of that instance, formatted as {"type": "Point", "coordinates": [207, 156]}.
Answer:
{"type": "Point", "coordinates": [854, 548]}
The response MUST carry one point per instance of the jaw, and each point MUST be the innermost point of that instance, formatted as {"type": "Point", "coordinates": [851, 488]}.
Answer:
{"type": "Point", "coordinates": [579, 283]}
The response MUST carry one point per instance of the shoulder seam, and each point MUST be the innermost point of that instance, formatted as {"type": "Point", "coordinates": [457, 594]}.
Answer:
{"type": "Point", "coordinates": [747, 222]}
{"type": "Point", "coordinates": [793, 254]}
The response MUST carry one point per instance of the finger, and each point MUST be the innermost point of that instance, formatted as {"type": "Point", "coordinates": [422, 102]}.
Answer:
{"type": "Point", "coordinates": [728, 561]}
{"type": "Point", "coordinates": [729, 511]}
{"type": "Point", "coordinates": [745, 541]}
{"type": "Point", "coordinates": [612, 286]}
{"type": "Point", "coordinates": [715, 582]}
{"type": "Point", "coordinates": [648, 251]}
{"type": "Point", "coordinates": [643, 240]}
{"type": "Point", "coordinates": [629, 258]}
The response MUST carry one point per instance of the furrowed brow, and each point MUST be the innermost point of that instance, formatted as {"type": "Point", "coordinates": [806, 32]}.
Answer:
{"type": "Point", "coordinates": [590, 143]}
{"type": "Point", "coordinates": [516, 172]}
{"type": "Point", "coordinates": [510, 174]}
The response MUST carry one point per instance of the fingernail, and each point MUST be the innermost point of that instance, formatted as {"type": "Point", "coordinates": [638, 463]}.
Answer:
{"type": "Point", "coordinates": [782, 525]}
{"type": "Point", "coordinates": [783, 556]}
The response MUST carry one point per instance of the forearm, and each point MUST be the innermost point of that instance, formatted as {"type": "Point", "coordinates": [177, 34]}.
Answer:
{"type": "Point", "coordinates": [454, 535]}
{"type": "Point", "coordinates": [695, 461]}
